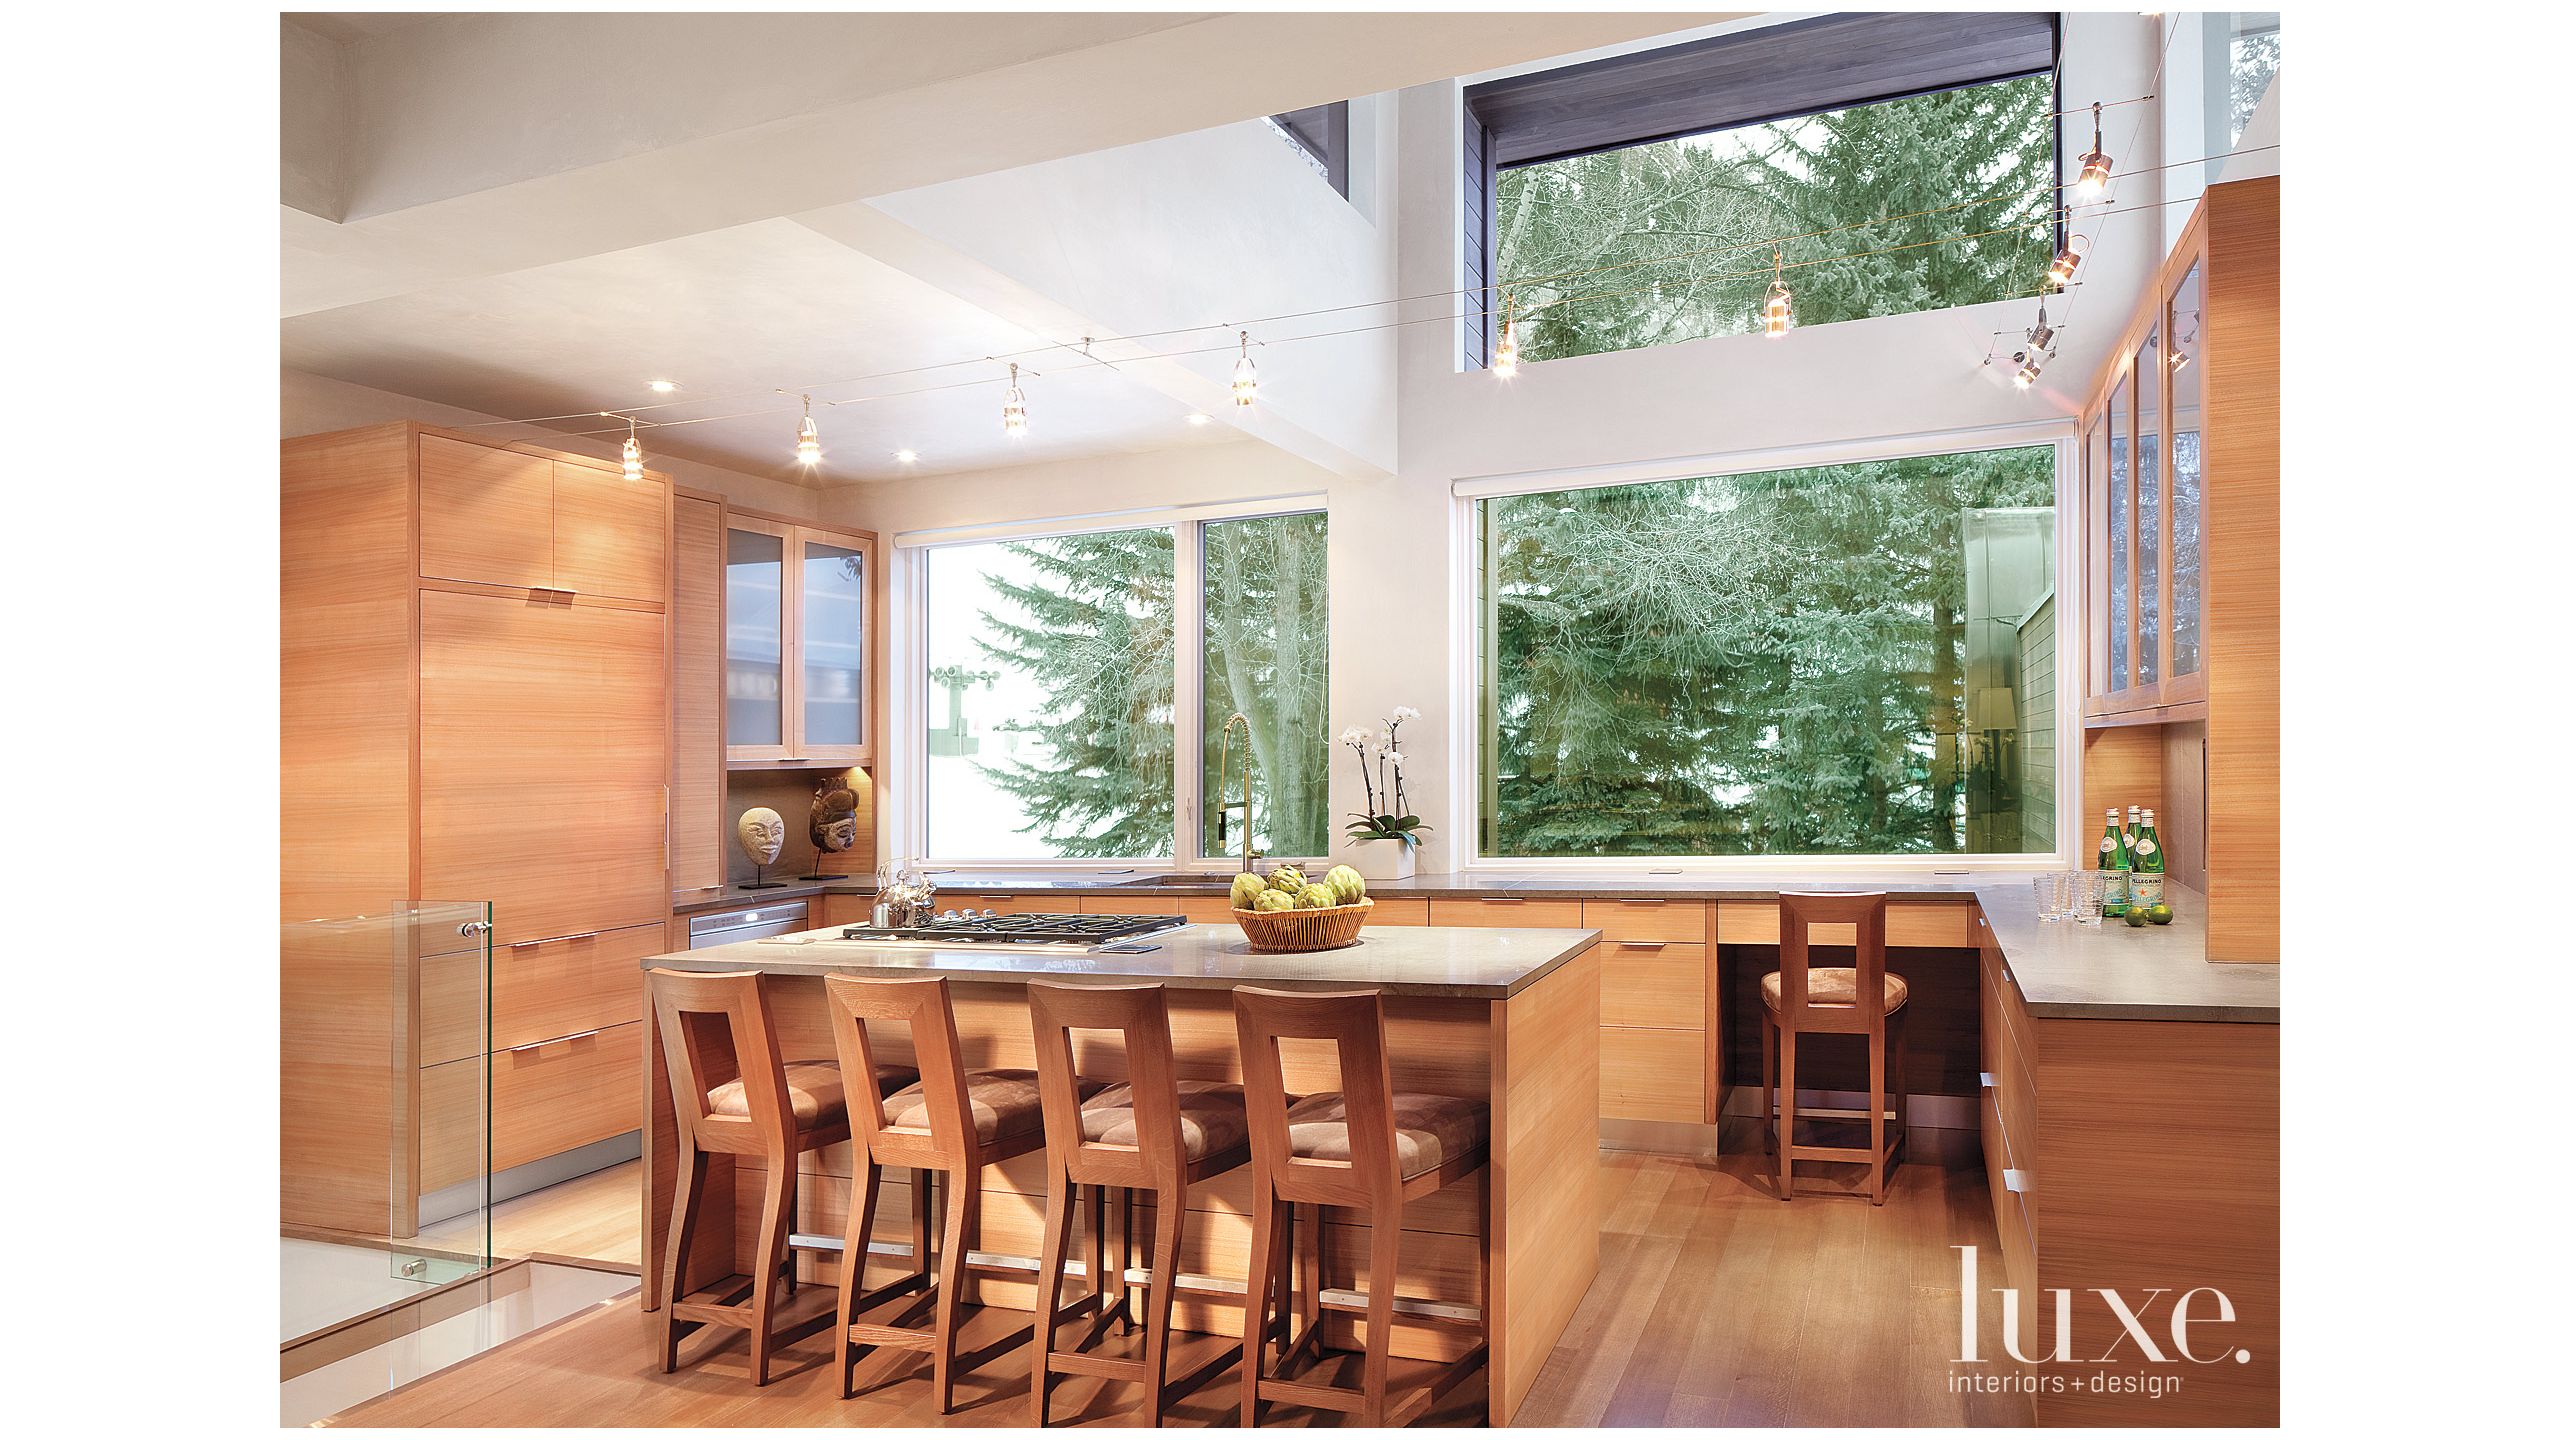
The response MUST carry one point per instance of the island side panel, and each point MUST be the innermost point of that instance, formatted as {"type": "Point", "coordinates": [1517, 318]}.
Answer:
{"type": "Point", "coordinates": [1546, 1172]}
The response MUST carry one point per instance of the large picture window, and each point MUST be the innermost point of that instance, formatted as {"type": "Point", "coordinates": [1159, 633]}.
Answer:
{"type": "Point", "coordinates": [1817, 661]}
{"type": "Point", "coordinates": [1054, 668]}
{"type": "Point", "coordinates": [1634, 201]}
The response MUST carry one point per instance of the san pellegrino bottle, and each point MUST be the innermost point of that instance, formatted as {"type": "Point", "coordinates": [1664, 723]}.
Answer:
{"type": "Point", "coordinates": [2111, 857]}
{"type": "Point", "coordinates": [2150, 864]}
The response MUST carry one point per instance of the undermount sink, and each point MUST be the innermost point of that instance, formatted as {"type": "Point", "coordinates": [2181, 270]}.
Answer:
{"type": "Point", "coordinates": [1217, 883]}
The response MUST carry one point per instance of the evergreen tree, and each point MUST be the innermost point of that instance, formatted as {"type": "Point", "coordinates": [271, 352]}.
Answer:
{"type": "Point", "coordinates": [1265, 657]}
{"type": "Point", "coordinates": [1095, 626]}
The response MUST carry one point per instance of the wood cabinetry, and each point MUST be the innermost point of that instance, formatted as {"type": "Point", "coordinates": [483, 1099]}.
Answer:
{"type": "Point", "coordinates": [2135, 1156]}
{"type": "Point", "coordinates": [801, 680]}
{"type": "Point", "coordinates": [2180, 558]}
{"type": "Point", "coordinates": [474, 708]}
{"type": "Point", "coordinates": [699, 780]}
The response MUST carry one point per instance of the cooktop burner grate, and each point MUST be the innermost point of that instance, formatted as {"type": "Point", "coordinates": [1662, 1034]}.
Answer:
{"type": "Point", "coordinates": [1025, 929]}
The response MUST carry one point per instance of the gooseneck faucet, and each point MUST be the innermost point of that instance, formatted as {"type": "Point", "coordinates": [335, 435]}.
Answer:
{"type": "Point", "coordinates": [1224, 731]}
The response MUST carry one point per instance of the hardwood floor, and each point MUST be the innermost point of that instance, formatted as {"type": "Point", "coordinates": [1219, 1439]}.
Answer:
{"type": "Point", "coordinates": [1716, 1304]}
{"type": "Point", "coordinates": [593, 1217]}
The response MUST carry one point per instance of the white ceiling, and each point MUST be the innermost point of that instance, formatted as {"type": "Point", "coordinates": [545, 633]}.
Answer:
{"type": "Point", "coordinates": [728, 315]}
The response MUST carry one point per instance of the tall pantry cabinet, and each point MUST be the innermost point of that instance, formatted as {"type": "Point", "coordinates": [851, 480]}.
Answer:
{"type": "Point", "coordinates": [474, 694]}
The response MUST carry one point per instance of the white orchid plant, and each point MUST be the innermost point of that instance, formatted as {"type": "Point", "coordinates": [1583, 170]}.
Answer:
{"type": "Point", "coordinates": [1386, 817]}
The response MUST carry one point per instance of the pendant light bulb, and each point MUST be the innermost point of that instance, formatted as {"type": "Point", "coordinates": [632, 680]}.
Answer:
{"type": "Point", "coordinates": [1244, 383]}
{"type": "Point", "coordinates": [808, 448]}
{"type": "Point", "coordinates": [2066, 261]}
{"type": "Point", "coordinates": [2095, 164]}
{"type": "Point", "coordinates": [631, 466]}
{"type": "Point", "coordinates": [1017, 413]}
{"type": "Point", "coordinates": [1506, 355]}
{"type": "Point", "coordinates": [1778, 312]}
{"type": "Point", "coordinates": [2028, 370]}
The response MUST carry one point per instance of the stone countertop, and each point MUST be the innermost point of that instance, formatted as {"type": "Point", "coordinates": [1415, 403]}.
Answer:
{"type": "Point", "coordinates": [738, 897]}
{"type": "Point", "coordinates": [2064, 971]}
{"type": "Point", "coordinates": [1446, 963]}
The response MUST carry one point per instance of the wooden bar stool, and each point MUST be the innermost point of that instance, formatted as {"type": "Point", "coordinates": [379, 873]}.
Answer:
{"type": "Point", "coordinates": [735, 1095]}
{"type": "Point", "coordinates": [1364, 1147]}
{"type": "Point", "coordinates": [1152, 1133]}
{"type": "Point", "coordinates": [952, 1121]}
{"type": "Point", "coordinates": [1798, 999]}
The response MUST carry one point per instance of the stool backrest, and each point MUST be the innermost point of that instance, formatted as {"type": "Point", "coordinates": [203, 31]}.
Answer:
{"type": "Point", "coordinates": [1865, 911]}
{"type": "Point", "coordinates": [854, 1004]}
{"type": "Point", "coordinates": [1356, 1022]}
{"type": "Point", "coordinates": [1137, 1013]}
{"type": "Point", "coordinates": [715, 1029]}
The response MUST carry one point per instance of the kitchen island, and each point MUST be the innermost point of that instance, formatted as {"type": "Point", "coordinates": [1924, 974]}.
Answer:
{"type": "Point", "coordinates": [1501, 1015]}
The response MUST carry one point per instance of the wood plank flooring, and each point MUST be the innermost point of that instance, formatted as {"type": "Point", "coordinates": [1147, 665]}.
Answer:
{"type": "Point", "coordinates": [1716, 1304]}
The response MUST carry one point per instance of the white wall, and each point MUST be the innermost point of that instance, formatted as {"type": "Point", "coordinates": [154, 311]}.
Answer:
{"type": "Point", "coordinates": [314, 405]}
{"type": "Point", "coordinates": [1228, 221]}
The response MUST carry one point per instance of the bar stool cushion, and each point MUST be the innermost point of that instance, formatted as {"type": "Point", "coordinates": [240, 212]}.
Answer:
{"type": "Point", "coordinates": [1835, 985]}
{"type": "Point", "coordinates": [1212, 1117]}
{"type": "Point", "coordinates": [817, 1091]}
{"type": "Point", "coordinates": [1004, 1103]}
{"type": "Point", "coordinates": [1430, 1129]}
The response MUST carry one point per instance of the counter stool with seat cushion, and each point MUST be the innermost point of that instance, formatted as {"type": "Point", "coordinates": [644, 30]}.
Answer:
{"type": "Point", "coordinates": [1363, 1146]}
{"type": "Point", "coordinates": [952, 1121]}
{"type": "Point", "coordinates": [1799, 998]}
{"type": "Point", "coordinates": [1152, 1133]}
{"type": "Point", "coordinates": [735, 1095]}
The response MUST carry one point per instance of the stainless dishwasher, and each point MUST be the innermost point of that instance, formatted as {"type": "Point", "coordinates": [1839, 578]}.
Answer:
{"type": "Point", "coordinates": [728, 927]}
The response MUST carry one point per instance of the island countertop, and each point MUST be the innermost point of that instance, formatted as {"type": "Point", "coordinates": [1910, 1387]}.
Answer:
{"type": "Point", "coordinates": [1446, 962]}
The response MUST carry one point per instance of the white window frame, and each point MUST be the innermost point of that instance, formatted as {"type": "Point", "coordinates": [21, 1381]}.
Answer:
{"type": "Point", "coordinates": [910, 692]}
{"type": "Point", "coordinates": [1467, 807]}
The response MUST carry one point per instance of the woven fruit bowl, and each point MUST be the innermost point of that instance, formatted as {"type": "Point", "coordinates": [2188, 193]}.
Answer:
{"type": "Point", "coordinates": [1282, 932]}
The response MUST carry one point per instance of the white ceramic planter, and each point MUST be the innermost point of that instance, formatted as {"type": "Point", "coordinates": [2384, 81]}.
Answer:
{"type": "Point", "coordinates": [1379, 859]}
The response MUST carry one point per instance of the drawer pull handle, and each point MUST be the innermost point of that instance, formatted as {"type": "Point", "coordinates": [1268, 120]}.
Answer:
{"type": "Point", "coordinates": [2016, 1180]}
{"type": "Point", "coordinates": [1988, 1082]}
{"type": "Point", "coordinates": [1503, 900]}
{"type": "Point", "coordinates": [1643, 944]}
{"type": "Point", "coordinates": [1640, 902]}
{"type": "Point", "coordinates": [555, 940]}
{"type": "Point", "coordinates": [555, 1040]}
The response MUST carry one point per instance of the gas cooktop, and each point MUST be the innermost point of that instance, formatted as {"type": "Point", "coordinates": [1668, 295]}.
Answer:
{"type": "Point", "coordinates": [967, 927]}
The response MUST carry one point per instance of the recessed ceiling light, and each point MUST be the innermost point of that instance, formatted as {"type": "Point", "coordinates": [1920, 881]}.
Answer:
{"type": "Point", "coordinates": [663, 387]}
{"type": "Point", "coordinates": [1196, 418]}
{"type": "Point", "coordinates": [906, 457]}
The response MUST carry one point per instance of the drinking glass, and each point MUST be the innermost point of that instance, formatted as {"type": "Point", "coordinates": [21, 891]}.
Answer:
{"type": "Point", "coordinates": [2053, 894]}
{"type": "Point", "coordinates": [2089, 897]}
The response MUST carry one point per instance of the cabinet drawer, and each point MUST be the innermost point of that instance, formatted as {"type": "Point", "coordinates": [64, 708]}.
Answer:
{"type": "Point", "coordinates": [483, 514]}
{"type": "Point", "coordinates": [542, 989]}
{"type": "Point", "coordinates": [451, 1124]}
{"type": "Point", "coordinates": [1022, 902]}
{"type": "Point", "coordinates": [1198, 909]}
{"type": "Point", "coordinates": [1398, 911]}
{"type": "Point", "coordinates": [1653, 986]}
{"type": "Point", "coordinates": [1681, 922]}
{"type": "Point", "coordinates": [1506, 912]}
{"type": "Point", "coordinates": [1653, 1074]}
{"type": "Point", "coordinates": [608, 534]}
{"type": "Point", "coordinates": [1756, 923]}
{"type": "Point", "coordinates": [843, 910]}
{"type": "Point", "coordinates": [561, 1094]}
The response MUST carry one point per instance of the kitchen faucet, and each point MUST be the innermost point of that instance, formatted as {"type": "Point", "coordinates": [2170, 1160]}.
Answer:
{"type": "Point", "coordinates": [1223, 807]}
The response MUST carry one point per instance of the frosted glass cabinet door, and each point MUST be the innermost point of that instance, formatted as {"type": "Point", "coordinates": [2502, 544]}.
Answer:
{"type": "Point", "coordinates": [832, 664]}
{"type": "Point", "coordinates": [2186, 476]}
{"type": "Point", "coordinates": [753, 643]}
{"type": "Point", "coordinates": [2120, 580]}
{"type": "Point", "coordinates": [2146, 519]}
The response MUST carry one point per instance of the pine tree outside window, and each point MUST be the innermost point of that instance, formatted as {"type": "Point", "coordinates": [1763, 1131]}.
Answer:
{"type": "Point", "coordinates": [1054, 667]}
{"type": "Point", "coordinates": [1823, 661]}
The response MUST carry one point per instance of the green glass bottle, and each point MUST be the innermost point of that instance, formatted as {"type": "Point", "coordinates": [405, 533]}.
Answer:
{"type": "Point", "coordinates": [2150, 864]}
{"type": "Point", "coordinates": [2112, 855]}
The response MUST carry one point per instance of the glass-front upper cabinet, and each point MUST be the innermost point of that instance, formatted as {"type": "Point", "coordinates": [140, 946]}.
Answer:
{"type": "Point", "coordinates": [2185, 369]}
{"type": "Point", "coordinates": [751, 595]}
{"type": "Point", "coordinates": [2146, 514]}
{"type": "Point", "coordinates": [2118, 508]}
{"type": "Point", "coordinates": [834, 574]}
{"type": "Point", "coordinates": [798, 641]}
